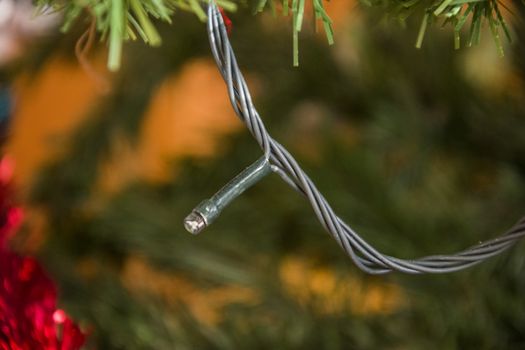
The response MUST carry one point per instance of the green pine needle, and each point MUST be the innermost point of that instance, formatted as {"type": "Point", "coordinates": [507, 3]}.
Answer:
{"type": "Point", "coordinates": [116, 34]}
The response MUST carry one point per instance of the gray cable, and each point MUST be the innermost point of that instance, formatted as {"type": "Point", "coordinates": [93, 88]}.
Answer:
{"type": "Point", "coordinates": [366, 257]}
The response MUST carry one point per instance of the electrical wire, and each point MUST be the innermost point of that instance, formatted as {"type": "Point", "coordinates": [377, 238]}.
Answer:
{"type": "Point", "coordinates": [366, 257]}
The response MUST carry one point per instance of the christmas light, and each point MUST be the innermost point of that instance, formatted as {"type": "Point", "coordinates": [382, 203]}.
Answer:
{"type": "Point", "coordinates": [208, 210]}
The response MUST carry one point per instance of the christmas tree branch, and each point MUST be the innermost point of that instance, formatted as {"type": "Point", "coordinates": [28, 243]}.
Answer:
{"type": "Point", "coordinates": [454, 13]}
{"type": "Point", "coordinates": [118, 21]}
{"type": "Point", "coordinates": [122, 20]}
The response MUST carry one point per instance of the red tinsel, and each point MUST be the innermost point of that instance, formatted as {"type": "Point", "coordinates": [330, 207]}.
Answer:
{"type": "Point", "coordinates": [29, 317]}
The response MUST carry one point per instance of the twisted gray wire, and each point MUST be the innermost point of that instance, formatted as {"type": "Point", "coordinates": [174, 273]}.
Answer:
{"type": "Point", "coordinates": [366, 257]}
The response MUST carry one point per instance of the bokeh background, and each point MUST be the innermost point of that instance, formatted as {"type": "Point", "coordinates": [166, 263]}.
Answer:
{"type": "Point", "coordinates": [421, 151]}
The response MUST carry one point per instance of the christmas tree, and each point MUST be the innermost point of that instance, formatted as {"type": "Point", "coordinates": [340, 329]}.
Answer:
{"type": "Point", "coordinates": [422, 151]}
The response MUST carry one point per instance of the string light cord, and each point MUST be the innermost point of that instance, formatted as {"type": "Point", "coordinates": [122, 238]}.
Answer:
{"type": "Point", "coordinates": [280, 161]}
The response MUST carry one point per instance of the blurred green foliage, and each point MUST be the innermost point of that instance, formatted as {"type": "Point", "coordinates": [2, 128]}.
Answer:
{"type": "Point", "coordinates": [429, 163]}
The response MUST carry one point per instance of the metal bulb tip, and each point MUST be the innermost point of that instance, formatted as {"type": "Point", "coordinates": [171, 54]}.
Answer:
{"type": "Point", "coordinates": [194, 223]}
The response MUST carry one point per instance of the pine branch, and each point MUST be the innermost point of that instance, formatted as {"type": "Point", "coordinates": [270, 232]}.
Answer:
{"type": "Point", "coordinates": [454, 13]}
{"type": "Point", "coordinates": [118, 21]}
{"type": "Point", "coordinates": [122, 20]}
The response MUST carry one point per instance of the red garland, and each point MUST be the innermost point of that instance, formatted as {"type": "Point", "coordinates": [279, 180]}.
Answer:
{"type": "Point", "coordinates": [29, 318]}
